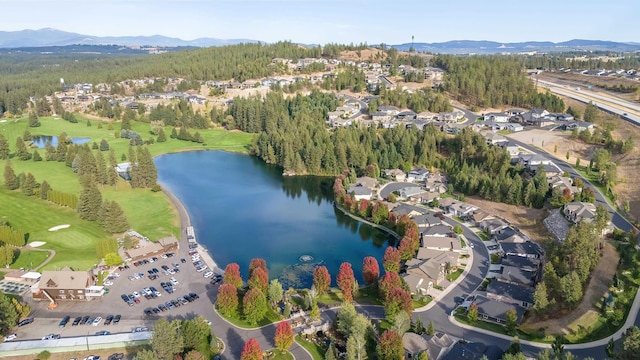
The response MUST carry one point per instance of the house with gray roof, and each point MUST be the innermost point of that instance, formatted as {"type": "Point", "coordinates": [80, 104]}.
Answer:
{"type": "Point", "coordinates": [511, 293]}
{"type": "Point", "coordinates": [492, 225]}
{"type": "Point", "coordinates": [496, 311]}
{"type": "Point", "coordinates": [561, 183]}
{"type": "Point", "coordinates": [522, 262]}
{"type": "Point", "coordinates": [367, 181]}
{"type": "Point", "coordinates": [406, 209]}
{"type": "Point", "coordinates": [436, 230]}
{"type": "Point", "coordinates": [478, 216]}
{"type": "Point", "coordinates": [410, 192]}
{"type": "Point", "coordinates": [418, 174]}
{"type": "Point", "coordinates": [496, 117]}
{"type": "Point", "coordinates": [427, 219]}
{"type": "Point", "coordinates": [493, 138]}
{"type": "Point", "coordinates": [579, 211]}
{"type": "Point", "coordinates": [514, 275]}
{"type": "Point", "coordinates": [472, 351]}
{"type": "Point", "coordinates": [526, 249]}
{"type": "Point", "coordinates": [432, 270]}
{"type": "Point", "coordinates": [436, 183]}
{"type": "Point", "coordinates": [360, 192]}
{"type": "Point", "coordinates": [413, 344]}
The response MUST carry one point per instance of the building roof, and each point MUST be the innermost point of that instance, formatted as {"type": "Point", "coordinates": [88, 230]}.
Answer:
{"type": "Point", "coordinates": [358, 189]}
{"type": "Point", "coordinates": [419, 171]}
{"type": "Point", "coordinates": [414, 343]}
{"type": "Point", "coordinates": [479, 215]}
{"type": "Point", "coordinates": [168, 241]}
{"type": "Point", "coordinates": [32, 275]}
{"type": "Point", "coordinates": [528, 248]}
{"type": "Point", "coordinates": [144, 250]}
{"type": "Point", "coordinates": [496, 309]}
{"type": "Point", "coordinates": [516, 275]}
{"type": "Point", "coordinates": [15, 274]}
{"type": "Point", "coordinates": [521, 262]}
{"type": "Point", "coordinates": [437, 230]}
{"type": "Point", "coordinates": [428, 219]}
{"type": "Point", "coordinates": [65, 279]}
{"type": "Point", "coordinates": [518, 293]}
{"type": "Point", "coordinates": [473, 351]}
{"type": "Point", "coordinates": [440, 242]}
{"type": "Point", "coordinates": [369, 182]}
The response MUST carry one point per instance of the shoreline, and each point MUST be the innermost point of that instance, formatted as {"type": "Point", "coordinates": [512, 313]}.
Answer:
{"type": "Point", "coordinates": [185, 221]}
{"type": "Point", "coordinates": [365, 221]}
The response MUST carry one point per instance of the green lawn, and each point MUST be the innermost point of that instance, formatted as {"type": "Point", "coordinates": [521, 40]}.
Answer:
{"type": "Point", "coordinates": [422, 302]}
{"type": "Point", "coordinates": [496, 259]}
{"type": "Point", "coordinates": [314, 349]}
{"type": "Point", "coordinates": [75, 246]}
{"type": "Point", "coordinates": [454, 275]}
{"type": "Point", "coordinates": [29, 259]}
{"type": "Point", "coordinates": [483, 236]}
{"type": "Point", "coordinates": [277, 355]}
{"type": "Point", "coordinates": [238, 320]}
{"type": "Point", "coordinates": [150, 214]}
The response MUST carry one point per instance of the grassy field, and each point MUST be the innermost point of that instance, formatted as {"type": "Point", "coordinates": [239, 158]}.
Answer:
{"type": "Point", "coordinates": [148, 213]}
{"type": "Point", "coordinates": [314, 349]}
{"type": "Point", "coordinates": [455, 275]}
{"type": "Point", "coordinates": [29, 259]}
{"type": "Point", "coordinates": [75, 246]}
{"type": "Point", "coordinates": [277, 355]}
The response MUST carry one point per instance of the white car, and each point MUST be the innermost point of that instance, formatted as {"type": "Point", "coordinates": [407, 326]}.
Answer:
{"type": "Point", "coordinates": [108, 283]}
{"type": "Point", "coordinates": [201, 268]}
{"type": "Point", "coordinates": [115, 275]}
{"type": "Point", "coordinates": [97, 321]}
{"type": "Point", "coordinates": [164, 256]}
{"type": "Point", "coordinates": [208, 274]}
{"type": "Point", "coordinates": [471, 245]}
{"type": "Point", "coordinates": [174, 281]}
{"type": "Point", "coordinates": [10, 337]}
{"type": "Point", "coordinates": [136, 294]}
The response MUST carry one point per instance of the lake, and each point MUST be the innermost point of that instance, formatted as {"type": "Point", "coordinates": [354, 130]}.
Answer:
{"type": "Point", "coordinates": [242, 208]}
{"type": "Point", "coordinates": [41, 140]}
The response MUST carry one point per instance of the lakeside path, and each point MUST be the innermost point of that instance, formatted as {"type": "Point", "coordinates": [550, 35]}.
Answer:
{"type": "Point", "coordinates": [233, 336]}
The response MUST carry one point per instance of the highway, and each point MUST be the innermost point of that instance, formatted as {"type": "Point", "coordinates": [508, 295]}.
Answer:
{"type": "Point", "coordinates": [625, 109]}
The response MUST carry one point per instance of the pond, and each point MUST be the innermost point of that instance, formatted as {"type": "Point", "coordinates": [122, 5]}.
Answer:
{"type": "Point", "coordinates": [242, 208]}
{"type": "Point", "coordinates": [41, 140]}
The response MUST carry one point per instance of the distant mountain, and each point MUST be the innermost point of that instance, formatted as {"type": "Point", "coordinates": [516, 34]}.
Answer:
{"type": "Point", "coordinates": [492, 47]}
{"type": "Point", "coordinates": [52, 37]}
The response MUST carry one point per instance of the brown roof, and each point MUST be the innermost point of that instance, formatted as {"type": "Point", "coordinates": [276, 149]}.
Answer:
{"type": "Point", "coordinates": [168, 241]}
{"type": "Point", "coordinates": [144, 250]}
{"type": "Point", "coordinates": [65, 279]}
{"type": "Point", "coordinates": [15, 274]}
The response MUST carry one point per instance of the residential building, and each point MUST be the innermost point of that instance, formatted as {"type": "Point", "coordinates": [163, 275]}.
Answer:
{"type": "Point", "coordinates": [437, 243]}
{"type": "Point", "coordinates": [437, 230]}
{"type": "Point", "coordinates": [360, 192]}
{"type": "Point", "coordinates": [562, 182]}
{"type": "Point", "coordinates": [418, 174]}
{"type": "Point", "coordinates": [511, 293]}
{"type": "Point", "coordinates": [413, 345]}
{"type": "Point", "coordinates": [463, 350]}
{"type": "Point", "coordinates": [496, 117]}
{"type": "Point", "coordinates": [492, 225]}
{"type": "Point", "coordinates": [496, 311]}
{"type": "Point", "coordinates": [526, 249]}
{"type": "Point", "coordinates": [515, 275]}
{"type": "Point", "coordinates": [579, 211]}
{"type": "Point", "coordinates": [395, 174]}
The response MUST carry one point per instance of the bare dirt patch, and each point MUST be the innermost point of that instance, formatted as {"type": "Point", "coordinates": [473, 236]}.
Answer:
{"type": "Point", "coordinates": [598, 286]}
{"type": "Point", "coordinates": [363, 55]}
{"type": "Point", "coordinates": [528, 220]}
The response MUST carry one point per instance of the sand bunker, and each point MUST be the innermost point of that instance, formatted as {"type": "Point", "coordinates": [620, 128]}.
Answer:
{"type": "Point", "coordinates": [35, 244]}
{"type": "Point", "coordinates": [56, 228]}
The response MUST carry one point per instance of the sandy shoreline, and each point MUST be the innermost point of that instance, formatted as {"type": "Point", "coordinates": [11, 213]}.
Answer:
{"type": "Point", "coordinates": [185, 221]}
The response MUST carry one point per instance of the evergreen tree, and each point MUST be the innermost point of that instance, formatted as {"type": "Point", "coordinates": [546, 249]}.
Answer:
{"type": "Point", "coordinates": [90, 200]}
{"type": "Point", "coordinates": [44, 190]}
{"type": "Point", "coordinates": [4, 148]}
{"type": "Point", "coordinates": [112, 218]}
{"type": "Point", "coordinates": [21, 150]}
{"type": "Point", "coordinates": [33, 120]}
{"type": "Point", "coordinates": [10, 179]}
{"type": "Point", "coordinates": [28, 185]}
{"type": "Point", "coordinates": [101, 169]}
{"type": "Point", "coordinates": [161, 136]}
{"type": "Point", "coordinates": [36, 156]}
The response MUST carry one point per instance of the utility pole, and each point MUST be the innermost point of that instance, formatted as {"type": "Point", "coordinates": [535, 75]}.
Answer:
{"type": "Point", "coordinates": [412, 43]}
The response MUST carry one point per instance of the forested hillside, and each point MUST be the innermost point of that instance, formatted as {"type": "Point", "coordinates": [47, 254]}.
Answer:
{"type": "Point", "coordinates": [493, 81]}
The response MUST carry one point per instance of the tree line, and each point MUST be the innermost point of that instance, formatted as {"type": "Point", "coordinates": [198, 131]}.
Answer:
{"type": "Point", "coordinates": [493, 81]}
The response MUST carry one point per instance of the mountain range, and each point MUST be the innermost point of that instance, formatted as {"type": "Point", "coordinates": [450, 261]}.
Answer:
{"type": "Point", "coordinates": [51, 37]}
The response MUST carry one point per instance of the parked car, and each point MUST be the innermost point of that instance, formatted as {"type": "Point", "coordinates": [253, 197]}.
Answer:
{"type": "Point", "coordinates": [92, 357]}
{"type": "Point", "coordinates": [208, 274]}
{"type": "Point", "coordinates": [26, 321]}
{"type": "Point", "coordinates": [116, 356]}
{"type": "Point", "coordinates": [103, 332]}
{"type": "Point", "coordinates": [51, 337]}
{"type": "Point", "coordinates": [84, 320]}
{"type": "Point", "coordinates": [97, 321]}
{"type": "Point", "coordinates": [10, 337]}
{"type": "Point", "coordinates": [116, 319]}
{"type": "Point", "coordinates": [108, 320]}
{"type": "Point", "coordinates": [64, 321]}
{"type": "Point", "coordinates": [76, 321]}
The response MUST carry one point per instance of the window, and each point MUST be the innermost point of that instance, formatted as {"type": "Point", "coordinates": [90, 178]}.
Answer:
{"type": "Point", "coordinates": [61, 291]}
{"type": "Point", "coordinates": [79, 291]}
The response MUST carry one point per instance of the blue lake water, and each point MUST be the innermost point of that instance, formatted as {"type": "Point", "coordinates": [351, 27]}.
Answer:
{"type": "Point", "coordinates": [242, 208]}
{"type": "Point", "coordinates": [41, 140]}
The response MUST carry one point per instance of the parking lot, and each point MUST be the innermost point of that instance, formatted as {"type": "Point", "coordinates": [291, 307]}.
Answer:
{"type": "Point", "coordinates": [185, 281]}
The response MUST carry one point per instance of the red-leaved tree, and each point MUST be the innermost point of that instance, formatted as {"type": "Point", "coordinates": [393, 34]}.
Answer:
{"type": "Point", "coordinates": [398, 300]}
{"type": "Point", "coordinates": [321, 279]}
{"type": "Point", "coordinates": [258, 263]}
{"type": "Point", "coordinates": [232, 275]}
{"type": "Point", "coordinates": [251, 350]}
{"type": "Point", "coordinates": [391, 260]}
{"type": "Point", "coordinates": [346, 280]}
{"type": "Point", "coordinates": [227, 302]}
{"type": "Point", "coordinates": [390, 346]}
{"type": "Point", "coordinates": [406, 249]}
{"type": "Point", "coordinates": [259, 280]}
{"type": "Point", "coordinates": [389, 282]}
{"type": "Point", "coordinates": [283, 337]}
{"type": "Point", "coordinates": [370, 270]}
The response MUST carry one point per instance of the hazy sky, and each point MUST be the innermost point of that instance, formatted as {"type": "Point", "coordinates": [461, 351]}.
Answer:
{"type": "Point", "coordinates": [341, 21]}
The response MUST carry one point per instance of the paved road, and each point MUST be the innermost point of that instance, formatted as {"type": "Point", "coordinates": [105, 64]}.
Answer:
{"type": "Point", "coordinates": [626, 110]}
{"type": "Point", "coordinates": [363, 105]}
